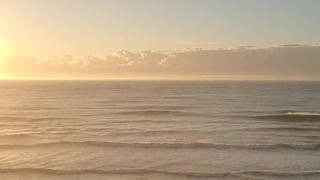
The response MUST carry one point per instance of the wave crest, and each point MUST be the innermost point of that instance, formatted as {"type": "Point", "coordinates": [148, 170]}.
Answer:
{"type": "Point", "coordinates": [303, 113]}
{"type": "Point", "coordinates": [292, 116]}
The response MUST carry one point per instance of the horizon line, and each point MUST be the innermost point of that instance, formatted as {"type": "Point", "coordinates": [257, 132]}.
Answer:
{"type": "Point", "coordinates": [159, 79]}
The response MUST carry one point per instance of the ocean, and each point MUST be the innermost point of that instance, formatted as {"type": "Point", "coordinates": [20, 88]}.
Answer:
{"type": "Point", "coordinates": [97, 130]}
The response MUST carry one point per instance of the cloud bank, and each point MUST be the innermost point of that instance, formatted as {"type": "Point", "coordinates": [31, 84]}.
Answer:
{"type": "Point", "coordinates": [289, 60]}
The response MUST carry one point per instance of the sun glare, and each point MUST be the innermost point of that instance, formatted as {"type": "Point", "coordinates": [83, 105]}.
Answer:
{"type": "Point", "coordinates": [4, 50]}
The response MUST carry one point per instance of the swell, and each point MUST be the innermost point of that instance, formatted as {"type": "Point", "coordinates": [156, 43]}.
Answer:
{"type": "Point", "coordinates": [156, 113]}
{"type": "Point", "coordinates": [30, 108]}
{"type": "Point", "coordinates": [148, 121]}
{"type": "Point", "coordinates": [20, 135]}
{"type": "Point", "coordinates": [198, 145]}
{"type": "Point", "coordinates": [152, 171]}
{"type": "Point", "coordinates": [162, 107]}
{"type": "Point", "coordinates": [153, 132]}
{"type": "Point", "coordinates": [303, 129]}
{"type": "Point", "coordinates": [26, 119]}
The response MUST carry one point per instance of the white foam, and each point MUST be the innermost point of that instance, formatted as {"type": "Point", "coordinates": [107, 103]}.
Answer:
{"type": "Point", "coordinates": [304, 113]}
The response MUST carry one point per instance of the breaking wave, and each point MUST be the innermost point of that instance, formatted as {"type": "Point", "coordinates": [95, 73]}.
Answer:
{"type": "Point", "coordinates": [292, 116]}
{"type": "Point", "coordinates": [303, 113]}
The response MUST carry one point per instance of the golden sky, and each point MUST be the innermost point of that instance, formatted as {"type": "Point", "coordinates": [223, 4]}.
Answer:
{"type": "Point", "coordinates": [104, 38]}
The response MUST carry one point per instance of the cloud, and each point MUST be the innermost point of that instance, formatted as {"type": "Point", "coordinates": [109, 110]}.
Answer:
{"type": "Point", "coordinates": [281, 60]}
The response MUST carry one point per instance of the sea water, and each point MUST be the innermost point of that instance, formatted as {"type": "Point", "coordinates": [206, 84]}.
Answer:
{"type": "Point", "coordinates": [74, 130]}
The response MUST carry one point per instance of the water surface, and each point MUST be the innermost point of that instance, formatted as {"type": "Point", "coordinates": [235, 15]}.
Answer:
{"type": "Point", "coordinates": [159, 130]}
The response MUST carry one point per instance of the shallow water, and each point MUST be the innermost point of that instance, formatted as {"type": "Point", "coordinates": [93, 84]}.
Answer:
{"type": "Point", "coordinates": [159, 130]}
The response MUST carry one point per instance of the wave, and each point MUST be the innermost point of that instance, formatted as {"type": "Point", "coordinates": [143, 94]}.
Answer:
{"type": "Point", "coordinates": [31, 108]}
{"type": "Point", "coordinates": [170, 145]}
{"type": "Point", "coordinates": [157, 121]}
{"type": "Point", "coordinates": [303, 129]}
{"type": "Point", "coordinates": [153, 171]}
{"type": "Point", "coordinates": [153, 132]}
{"type": "Point", "coordinates": [20, 135]}
{"type": "Point", "coordinates": [303, 113]}
{"type": "Point", "coordinates": [162, 107]}
{"type": "Point", "coordinates": [292, 116]}
{"type": "Point", "coordinates": [27, 119]}
{"type": "Point", "coordinates": [157, 113]}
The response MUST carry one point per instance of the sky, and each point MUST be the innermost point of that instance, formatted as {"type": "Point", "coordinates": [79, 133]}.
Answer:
{"type": "Point", "coordinates": [50, 30]}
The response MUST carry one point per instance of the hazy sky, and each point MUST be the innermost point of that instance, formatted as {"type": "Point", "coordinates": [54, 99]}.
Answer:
{"type": "Point", "coordinates": [46, 28]}
{"type": "Point", "coordinates": [40, 38]}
